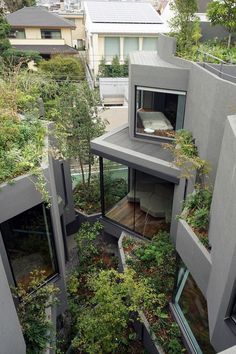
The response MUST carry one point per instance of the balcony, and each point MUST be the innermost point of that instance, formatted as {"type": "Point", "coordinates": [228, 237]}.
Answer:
{"type": "Point", "coordinates": [39, 41]}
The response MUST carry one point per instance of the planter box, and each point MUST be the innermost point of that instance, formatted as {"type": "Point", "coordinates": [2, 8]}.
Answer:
{"type": "Point", "coordinates": [17, 197]}
{"type": "Point", "coordinates": [80, 218]}
{"type": "Point", "coordinates": [195, 256]}
{"type": "Point", "coordinates": [141, 325]}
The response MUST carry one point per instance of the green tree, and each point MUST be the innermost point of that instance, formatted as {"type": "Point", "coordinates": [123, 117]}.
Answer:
{"type": "Point", "coordinates": [185, 24]}
{"type": "Point", "coordinates": [116, 67]}
{"type": "Point", "coordinates": [223, 12]}
{"type": "Point", "coordinates": [14, 5]}
{"type": "Point", "coordinates": [64, 67]}
{"type": "Point", "coordinates": [78, 122]}
{"type": "Point", "coordinates": [4, 33]}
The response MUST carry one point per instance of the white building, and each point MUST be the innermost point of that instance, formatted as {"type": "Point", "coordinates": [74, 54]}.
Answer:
{"type": "Point", "coordinates": [118, 28]}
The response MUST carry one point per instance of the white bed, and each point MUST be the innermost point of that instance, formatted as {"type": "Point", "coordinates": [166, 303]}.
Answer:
{"type": "Point", "coordinates": [152, 121]}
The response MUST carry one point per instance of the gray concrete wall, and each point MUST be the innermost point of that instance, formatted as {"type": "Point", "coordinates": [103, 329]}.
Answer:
{"type": "Point", "coordinates": [209, 101]}
{"type": "Point", "coordinates": [157, 77]}
{"type": "Point", "coordinates": [11, 337]}
{"type": "Point", "coordinates": [221, 289]}
{"type": "Point", "coordinates": [63, 184]}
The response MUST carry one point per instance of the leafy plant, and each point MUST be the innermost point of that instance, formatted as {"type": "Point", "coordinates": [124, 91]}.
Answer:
{"type": "Point", "coordinates": [223, 13]}
{"type": "Point", "coordinates": [196, 209]}
{"type": "Point", "coordinates": [186, 155]}
{"type": "Point", "coordinates": [115, 69]}
{"type": "Point", "coordinates": [102, 324]}
{"type": "Point", "coordinates": [85, 239]}
{"type": "Point", "coordinates": [64, 68]}
{"type": "Point", "coordinates": [155, 263]}
{"type": "Point", "coordinates": [185, 24]}
{"type": "Point", "coordinates": [33, 302]}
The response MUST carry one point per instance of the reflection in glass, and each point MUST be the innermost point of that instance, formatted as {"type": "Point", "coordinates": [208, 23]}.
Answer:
{"type": "Point", "coordinates": [159, 112]}
{"type": "Point", "coordinates": [193, 310]}
{"type": "Point", "coordinates": [28, 238]}
{"type": "Point", "coordinates": [137, 200]}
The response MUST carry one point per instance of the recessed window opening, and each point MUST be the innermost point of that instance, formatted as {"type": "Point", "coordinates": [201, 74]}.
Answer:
{"type": "Point", "coordinates": [159, 112]}
{"type": "Point", "coordinates": [29, 242]}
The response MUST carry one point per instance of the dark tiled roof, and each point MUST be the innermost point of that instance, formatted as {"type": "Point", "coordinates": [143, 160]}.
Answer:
{"type": "Point", "coordinates": [47, 49]}
{"type": "Point", "coordinates": [37, 17]}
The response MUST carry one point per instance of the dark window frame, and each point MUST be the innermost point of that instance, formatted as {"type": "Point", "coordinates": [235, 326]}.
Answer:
{"type": "Point", "coordinates": [50, 31]}
{"type": "Point", "coordinates": [52, 276]}
{"type": "Point", "coordinates": [14, 30]}
{"type": "Point", "coordinates": [151, 137]}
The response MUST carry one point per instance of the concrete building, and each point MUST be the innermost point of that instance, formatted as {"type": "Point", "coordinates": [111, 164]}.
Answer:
{"type": "Point", "coordinates": [118, 28]}
{"type": "Point", "coordinates": [32, 236]}
{"type": "Point", "coordinates": [36, 29]}
{"type": "Point", "coordinates": [167, 93]}
{"type": "Point", "coordinates": [78, 33]}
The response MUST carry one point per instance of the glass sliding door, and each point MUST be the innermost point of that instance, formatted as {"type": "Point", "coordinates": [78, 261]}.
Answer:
{"type": "Point", "coordinates": [131, 44]}
{"type": "Point", "coordinates": [112, 48]}
{"type": "Point", "coordinates": [29, 243]}
{"type": "Point", "coordinates": [136, 200]}
{"type": "Point", "coordinates": [191, 307]}
{"type": "Point", "coordinates": [149, 43]}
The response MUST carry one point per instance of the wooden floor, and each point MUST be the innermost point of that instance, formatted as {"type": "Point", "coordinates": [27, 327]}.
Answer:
{"type": "Point", "coordinates": [130, 215]}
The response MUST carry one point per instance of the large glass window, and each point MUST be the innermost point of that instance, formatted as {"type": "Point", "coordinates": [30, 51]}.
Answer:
{"type": "Point", "coordinates": [192, 309]}
{"type": "Point", "coordinates": [18, 33]}
{"type": "Point", "coordinates": [149, 43]}
{"type": "Point", "coordinates": [136, 200]}
{"type": "Point", "coordinates": [130, 44]}
{"type": "Point", "coordinates": [112, 47]}
{"type": "Point", "coordinates": [28, 239]}
{"type": "Point", "coordinates": [158, 112]}
{"type": "Point", "coordinates": [51, 34]}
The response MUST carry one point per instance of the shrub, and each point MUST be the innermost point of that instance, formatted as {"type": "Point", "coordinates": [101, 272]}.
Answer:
{"type": "Point", "coordinates": [103, 324]}
{"type": "Point", "coordinates": [34, 299]}
{"type": "Point", "coordinates": [63, 68]}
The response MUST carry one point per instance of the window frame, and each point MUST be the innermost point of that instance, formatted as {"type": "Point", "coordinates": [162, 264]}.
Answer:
{"type": "Point", "coordinates": [52, 276]}
{"type": "Point", "coordinates": [50, 30]}
{"type": "Point", "coordinates": [14, 30]}
{"type": "Point", "coordinates": [160, 90]}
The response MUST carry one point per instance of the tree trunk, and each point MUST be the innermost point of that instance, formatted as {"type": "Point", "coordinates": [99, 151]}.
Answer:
{"type": "Point", "coordinates": [229, 39]}
{"type": "Point", "coordinates": [82, 170]}
{"type": "Point", "coordinates": [90, 169]}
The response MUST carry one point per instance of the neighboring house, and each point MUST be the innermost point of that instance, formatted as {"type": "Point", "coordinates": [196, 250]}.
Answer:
{"type": "Point", "coordinates": [118, 28]}
{"type": "Point", "coordinates": [34, 28]}
{"type": "Point", "coordinates": [33, 236]}
{"type": "Point", "coordinates": [78, 33]}
{"type": "Point", "coordinates": [167, 93]}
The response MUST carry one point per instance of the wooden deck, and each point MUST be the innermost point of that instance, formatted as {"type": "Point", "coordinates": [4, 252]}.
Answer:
{"type": "Point", "coordinates": [130, 215]}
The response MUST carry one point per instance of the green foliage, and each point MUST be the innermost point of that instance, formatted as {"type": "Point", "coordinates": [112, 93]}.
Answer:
{"type": "Point", "coordinates": [64, 68]}
{"type": "Point", "coordinates": [87, 198]}
{"type": "Point", "coordinates": [34, 300]}
{"type": "Point", "coordinates": [77, 123]}
{"type": "Point", "coordinates": [186, 155]}
{"type": "Point", "coordinates": [102, 324]}
{"type": "Point", "coordinates": [21, 146]}
{"type": "Point", "coordinates": [223, 13]}
{"type": "Point", "coordinates": [155, 264]}
{"type": "Point", "coordinates": [13, 57]}
{"type": "Point", "coordinates": [115, 69]}
{"type": "Point", "coordinates": [14, 5]}
{"type": "Point", "coordinates": [85, 239]}
{"type": "Point", "coordinates": [4, 33]}
{"type": "Point", "coordinates": [185, 24]}
{"type": "Point", "coordinates": [196, 209]}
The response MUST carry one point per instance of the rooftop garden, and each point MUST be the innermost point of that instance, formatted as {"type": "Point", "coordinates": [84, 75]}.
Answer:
{"type": "Point", "coordinates": [185, 26]}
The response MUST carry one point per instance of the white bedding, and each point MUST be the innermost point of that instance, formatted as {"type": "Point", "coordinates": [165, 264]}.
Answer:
{"type": "Point", "coordinates": [154, 120]}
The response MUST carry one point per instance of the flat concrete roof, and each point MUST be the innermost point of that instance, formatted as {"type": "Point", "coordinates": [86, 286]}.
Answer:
{"type": "Point", "coordinates": [145, 156]}
{"type": "Point", "coordinates": [150, 58]}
